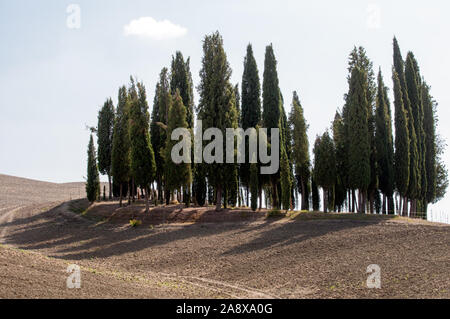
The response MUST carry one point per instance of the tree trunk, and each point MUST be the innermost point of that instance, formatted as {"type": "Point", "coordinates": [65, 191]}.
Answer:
{"type": "Point", "coordinates": [372, 202]}
{"type": "Point", "coordinates": [132, 190]}
{"type": "Point", "coordinates": [260, 197]}
{"type": "Point", "coordinates": [274, 195]}
{"type": "Point", "coordinates": [110, 186]}
{"type": "Point", "coordinates": [405, 207]}
{"type": "Point", "coordinates": [303, 206]}
{"type": "Point", "coordinates": [120, 194]}
{"type": "Point", "coordinates": [353, 200]}
{"type": "Point", "coordinates": [247, 197]}
{"type": "Point", "coordinates": [325, 199]}
{"type": "Point", "coordinates": [219, 198]}
{"type": "Point", "coordinates": [146, 201]}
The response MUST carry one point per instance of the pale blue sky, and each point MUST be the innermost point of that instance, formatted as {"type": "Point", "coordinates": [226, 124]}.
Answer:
{"type": "Point", "coordinates": [54, 79]}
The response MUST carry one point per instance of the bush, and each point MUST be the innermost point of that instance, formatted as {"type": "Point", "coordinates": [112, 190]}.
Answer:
{"type": "Point", "coordinates": [135, 222]}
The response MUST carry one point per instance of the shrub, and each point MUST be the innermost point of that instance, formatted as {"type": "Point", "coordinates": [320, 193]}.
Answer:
{"type": "Point", "coordinates": [135, 222]}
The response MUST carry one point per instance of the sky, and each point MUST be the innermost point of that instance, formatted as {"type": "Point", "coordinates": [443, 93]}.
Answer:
{"type": "Point", "coordinates": [60, 60]}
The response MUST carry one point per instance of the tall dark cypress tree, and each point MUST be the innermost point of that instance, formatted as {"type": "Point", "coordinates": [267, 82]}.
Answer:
{"type": "Point", "coordinates": [121, 160]}
{"type": "Point", "coordinates": [217, 107]}
{"type": "Point", "coordinates": [272, 110]}
{"type": "Point", "coordinates": [105, 130]}
{"type": "Point", "coordinates": [143, 166]}
{"type": "Point", "coordinates": [286, 180]}
{"type": "Point", "coordinates": [160, 114]}
{"type": "Point", "coordinates": [402, 155]}
{"type": "Point", "coordinates": [414, 174]}
{"type": "Point", "coordinates": [251, 105]}
{"type": "Point", "coordinates": [384, 145]}
{"type": "Point", "coordinates": [177, 175]}
{"type": "Point", "coordinates": [341, 156]}
{"type": "Point", "coordinates": [359, 148]}
{"type": "Point", "coordinates": [300, 149]}
{"type": "Point", "coordinates": [430, 141]}
{"type": "Point", "coordinates": [180, 78]}
{"type": "Point", "coordinates": [413, 82]}
{"type": "Point", "coordinates": [93, 179]}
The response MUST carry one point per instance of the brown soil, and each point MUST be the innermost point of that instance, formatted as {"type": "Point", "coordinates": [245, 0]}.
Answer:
{"type": "Point", "coordinates": [198, 253]}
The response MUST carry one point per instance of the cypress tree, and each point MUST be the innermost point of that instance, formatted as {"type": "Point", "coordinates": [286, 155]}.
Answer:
{"type": "Point", "coordinates": [251, 92]}
{"type": "Point", "coordinates": [324, 166]}
{"type": "Point", "coordinates": [160, 113]}
{"type": "Point", "coordinates": [359, 148]}
{"type": "Point", "coordinates": [177, 175]}
{"type": "Point", "coordinates": [300, 149]}
{"type": "Point", "coordinates": [430, 141]}
{"type": "Point", "coordinates": [286, 181]}
{"type": "Point", "coordinates": [217, 106]}
{"type": "Point", "coordinates": [441, 170]}
{"type": "Point", "coordinates": [251, 105]}
{"type": "Point", "coordinates": [121, 159]}
{"type": "Point", "coordinates": [105, 130]}
{"type": "Point", "coordinates": [384, 144]}
{"type": "Point", "coordinates": [180, 78]}
{"type": "Point", "coordinates": [272, 107]}
{"type": "Point", "coordinates": [402, 155]}
{"type": "Point", "coordinates": [143, 166]}
{"type": "Point", "coordinates": [413, 82]}
{"type": "Point", "coordinates": [93, 179]}
{"type": "Point", "coordinates": [341, 155]}
{"type": "Point", "coordinates": [358, 59]}
{"type": "Point", "coordinates": [414, 174]}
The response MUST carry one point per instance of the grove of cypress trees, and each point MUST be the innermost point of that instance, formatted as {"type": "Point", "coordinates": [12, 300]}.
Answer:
{"type": "Point", "coordinates": [93, 179]}
{"type": "Point", "coordinates": [384, 145]}
{"type": "Point", "coordinates": [121, 159]}
{"type": "Point", "coordinates": [359, 148]}
{"type": "Point", "coordinates": [105, 130]}
{"type": "Point", "coordinates": [402, 156]}
{"type": "Point", "coordinates": [217, 106]}
{"type": "Point", "coordinates": [300, 149]}
{"type": "Point", "coordinates": [143, 166]}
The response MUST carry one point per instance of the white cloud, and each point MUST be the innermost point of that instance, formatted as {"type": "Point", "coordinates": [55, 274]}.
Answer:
{"type": "Point", "coordinates": [373, 16]}
{"type": "Point", "coordinates": [157, 30]}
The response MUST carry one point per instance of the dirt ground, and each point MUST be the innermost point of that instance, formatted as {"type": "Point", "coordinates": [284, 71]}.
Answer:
{"type": "Point", "coordinates": [199, 253]}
